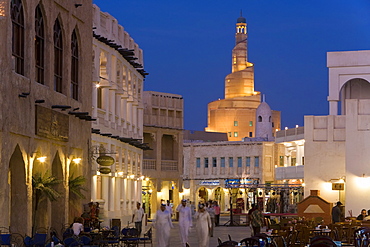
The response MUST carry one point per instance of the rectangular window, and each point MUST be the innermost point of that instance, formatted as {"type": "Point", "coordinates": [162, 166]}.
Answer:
{"type": "Point", "coordinates": [206, 162]}
{"type": "Point", "coordinates": [256, 161]}
{"type": "Point", "coordinates": [231, 161]}
{"type": "Point", "coordinates": [235, 134]}
{"type": "Point", "coordinates": [240, 162]}
{"type": "Point", "coordinates": [198, 162]}
{"type": "Point", "coordinates": [250, 123]}
{"type": "Point", "coordinates": [222, 161]}
{"type": "Point", "coordinates": [281, 160]}
{"type": "Point", "coordinates": [293, 161]}
{"type": "Point", "coordinates": [247, 161]}
{"type": "Point", "coordinates": [250, 134]}
{"type": "Point", "coordinates": [214, 162]}
{"type": "Point", "coordinates": [235, 123]}
{"type": "Point", "coordinates": [303, 160]}
{"type": "Point", "coordinates": [229, 133]}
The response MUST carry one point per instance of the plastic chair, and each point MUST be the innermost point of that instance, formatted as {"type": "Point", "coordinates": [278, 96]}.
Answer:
{"type": "Point", "coordinates": [147, 237]}
{"type": "Point", "coordinates": [5, 239]}
{"type": "Point", "coordinates": [250, 242]}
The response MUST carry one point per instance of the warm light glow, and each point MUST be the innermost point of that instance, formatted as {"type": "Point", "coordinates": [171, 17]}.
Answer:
{"type": "Point", "coordinates": [97, 173]}
{"type": "Point", "coordinates": [363, 182]}
{"type": "Point", "coordinates": [150, 191]}
{"type": "Point", "coordinates": [132, 176]}
{"type": "Point", "coordinates": [297, 126]}
{"type": "Point", "coordinates": [42, 159]}
{"type": "Point", "coordinates": [341, 180]}
{"type": "Point", "coordinates": [120, 173]}
{"type": "Point", "coordinates": [303, 184]}
{"type": "Point", "coordinates": [142, 177]}
{"type": "Point", "coordinates": [147, 178]}
{"type": "Point", "coordinates": [77, 160]}
{"type": "Point", "coordinates": [97, 85]}
{"type": "Point", "coordinates": [286, 128]}
{"type": "Point", "coordinates": [2, 8]}
{"type": "Point", "coordinates": [327, 186]}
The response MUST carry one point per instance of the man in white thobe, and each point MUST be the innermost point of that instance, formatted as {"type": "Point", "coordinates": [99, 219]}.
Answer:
{"type": "Point", "coordinates": [163, 225]}
{"type": "Point", "coordinates": [203, 225]}
{"type": "Point", "coordinates": [185, 221]}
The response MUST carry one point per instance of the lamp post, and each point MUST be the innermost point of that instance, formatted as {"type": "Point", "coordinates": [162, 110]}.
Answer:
{"type": "Point", "coordinates": [232, 222]}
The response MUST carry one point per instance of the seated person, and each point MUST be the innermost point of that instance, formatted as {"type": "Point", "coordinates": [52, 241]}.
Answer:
{"type": "Point", "coordinates": [78, 226]}
{"type": "Point", "coordinates": [362, 215]}
{"type": "Point", "coordinates": [368, 215]}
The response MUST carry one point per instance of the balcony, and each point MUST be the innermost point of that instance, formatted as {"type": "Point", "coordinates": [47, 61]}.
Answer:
{"type": "Point", "coordinates": [169, 165]}
{"type": "Point", "coordinates": [289, 172]}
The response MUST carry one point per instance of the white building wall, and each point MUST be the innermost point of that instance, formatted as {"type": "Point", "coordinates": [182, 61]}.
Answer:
{"type": "Point", "coordinates": [120, 115]}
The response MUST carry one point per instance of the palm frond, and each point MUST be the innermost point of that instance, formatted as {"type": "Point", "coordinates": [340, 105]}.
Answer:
{"type": "Point", "coordinates": [76, 185]}
{"type": "Point", "coordinates": [43, 184]}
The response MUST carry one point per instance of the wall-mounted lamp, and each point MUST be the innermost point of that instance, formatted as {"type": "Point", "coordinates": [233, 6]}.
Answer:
{"type": "Point", "coordinates": [42, 159]}
{"type": "Point", "coordinates": [147, 178]}
{"type": "Point", "coordinates": [132, 176]}
{"type": "Point", "coordinates": [77, 160]}
{"type": "Point", "coordinates": [120, 173]}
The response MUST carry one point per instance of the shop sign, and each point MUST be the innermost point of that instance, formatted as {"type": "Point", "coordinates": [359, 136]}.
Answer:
{"type": "Point", "coordinates": [241, 182]}
{"type": "Point", "coordinates": [337, 186]}
{"type": "Point", "coordinates": [209, 182]}
{"type": "Point", "coordinates": [105, 160]}
{"type": "Point", "coordinates": [104, 170]}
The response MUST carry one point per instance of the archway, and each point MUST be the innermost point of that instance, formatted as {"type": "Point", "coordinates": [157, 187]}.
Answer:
{"type": "Point", "coordinates": [202, 195]}
{"type": "Point", "coordinates": [58, 210]}
{"type": "Point", "coordinates": [18, 193]}
{"type": "Point", "coordinates": [353, 89]}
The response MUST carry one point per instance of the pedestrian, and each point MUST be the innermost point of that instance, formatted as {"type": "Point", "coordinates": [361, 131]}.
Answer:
{"type": "Point", "coordinates": [256, 220]}
{"type": "Point", "coordinates": [137, 217]}
{"type": "Point", "coordinates": [163, 224]}
{"type": "Point", "coordinates": [217, 213]}
{"type": "Point", "coordinates": [78, 226]}
{"type": "Point", "coordinates": [212, 215]}
{"type": "Point", "coordinates": [169, 207]}
{"type": "Point", "coordinates": [185, 221]}
{"type": "Point", "coordinates": [203, 225]}
{"type": "Point", "coordinates": [336, 212]}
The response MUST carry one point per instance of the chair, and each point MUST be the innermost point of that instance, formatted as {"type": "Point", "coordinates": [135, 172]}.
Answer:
{"type": "Point", "coordinates": [71, 242]}
{"type": "Point", "coordinates": [322, 241]}
{"type": "Point", "coordinates": [187, 245]}
{"type": "Point", "coordinates": [147, 237]}
{"type": "Point", "coordinates": [38, 240]}
{"type": "Point", "coordinates": [5, 239]}
{"type": "Point", "coordinates": [130, 237]}
{"type": "Point", "coordinates": [250, 242]}
{"type": "Point", "coordinates": [219, 240]}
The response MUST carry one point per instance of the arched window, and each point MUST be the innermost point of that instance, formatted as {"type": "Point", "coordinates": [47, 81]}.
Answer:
{"type": "Point", "coordinates": [58, 57]}
{"type": "Point", "coordinates": [74, 66]}
{"type": "Point", "coordinates": [259, 119]}
{"type": "Point", "coordinates": [39, 45]}
{"type": "Point", "coordinates": [18, 35]}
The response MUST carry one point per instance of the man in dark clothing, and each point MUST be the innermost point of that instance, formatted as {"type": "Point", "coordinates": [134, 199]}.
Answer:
{"type": "Point", "coordinates": [336, 212]}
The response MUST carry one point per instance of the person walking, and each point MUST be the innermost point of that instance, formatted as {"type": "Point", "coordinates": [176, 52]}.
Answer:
{"type": "Point", "coordinates": [203, 226]}
{"type": "Point", "coordinates": [256, 220]}
{"type": "Point", "coordinates": [217, 213]}
{"type": "Point", "coordinates": [137, 217]}
{"type": "Point", "coordinates": [163, 225]}
{"type": "Point", "coordinates": [212, 215]}
{"type": "Point", "coordinates": [185, 221]}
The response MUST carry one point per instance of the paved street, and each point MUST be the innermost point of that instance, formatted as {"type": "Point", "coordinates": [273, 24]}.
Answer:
{"type": "Point", "coordinates": [237, 233]}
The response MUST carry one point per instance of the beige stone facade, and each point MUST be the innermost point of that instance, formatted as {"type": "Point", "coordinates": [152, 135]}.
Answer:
{"type": "Point", "coordinates": [208, 166]}
{"type": "Point", "coordinates": [163, 126]}
{"type": "Point", "coordinates": [336, 146]}
{"type": "Point", "coordinates": [236, 114]}
{"type": "Point", "coordinates": [118, 109]}
{"type": "Point", "coordinates": [35, 119]}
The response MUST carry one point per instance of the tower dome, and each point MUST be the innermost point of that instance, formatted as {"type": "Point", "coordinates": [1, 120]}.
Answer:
{"type": "Point", "coordinates": [241, 19]}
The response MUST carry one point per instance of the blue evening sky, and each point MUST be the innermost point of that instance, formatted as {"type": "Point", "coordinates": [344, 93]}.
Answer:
{"type": "Point", "coordinates": [187, 48]}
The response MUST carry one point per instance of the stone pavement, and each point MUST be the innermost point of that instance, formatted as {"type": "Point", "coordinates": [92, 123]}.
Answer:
{"type": "Point", "coordinates": [237, 233]}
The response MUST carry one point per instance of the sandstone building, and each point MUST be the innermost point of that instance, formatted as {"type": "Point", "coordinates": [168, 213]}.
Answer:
{"type": "Point", "coordinates": [46, 77]}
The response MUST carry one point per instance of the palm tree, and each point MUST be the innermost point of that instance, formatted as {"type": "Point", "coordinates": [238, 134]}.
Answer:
{"type": "Point", "coordinates": [75, 185]}
{"type": "Point", "coordinates": [42, 188]}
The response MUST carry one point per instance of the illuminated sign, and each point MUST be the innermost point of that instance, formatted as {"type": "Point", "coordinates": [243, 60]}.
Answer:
{"type": "Point", "coordinates": [241, 182]}
{"type": "Point", "coordinates": [209, 182]}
